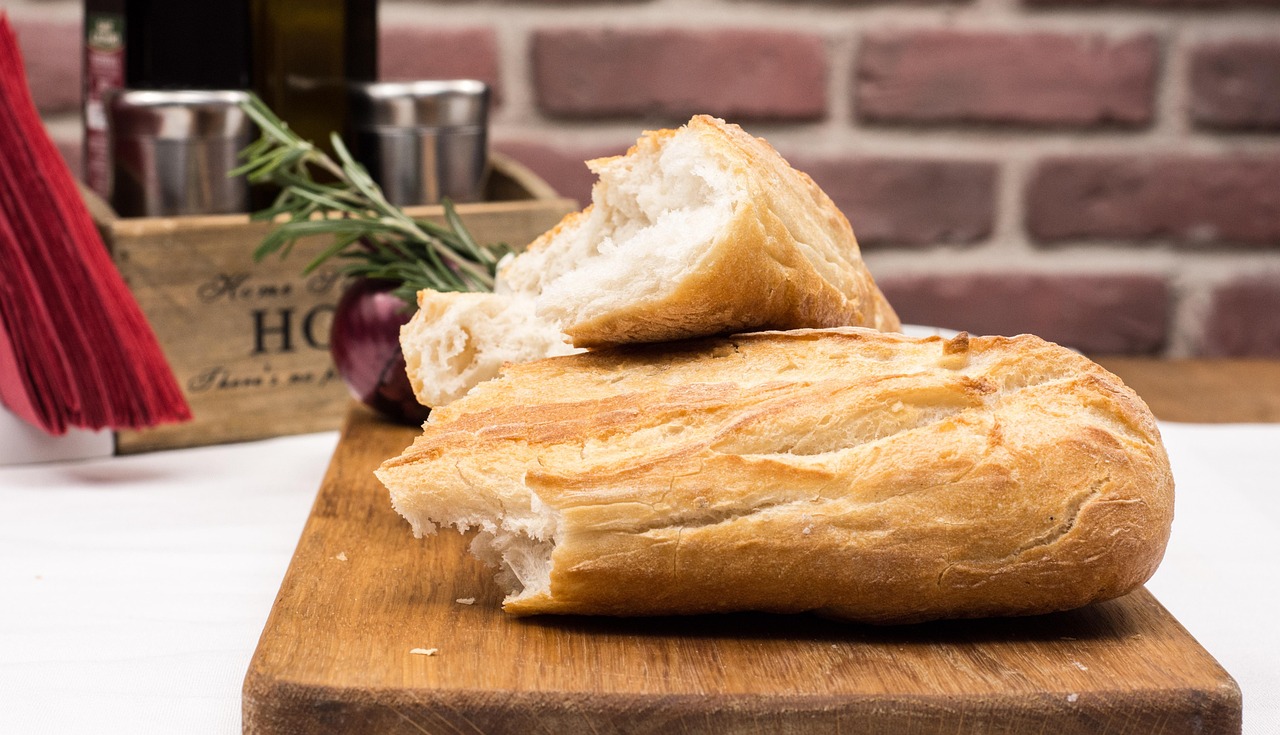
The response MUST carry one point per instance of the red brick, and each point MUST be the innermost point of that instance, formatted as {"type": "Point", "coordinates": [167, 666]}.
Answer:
{"type": "Point", "coordinates": [909, 202]}
{"type": "Point", "coordinates": [1097, 314]}
{"type": "Point", "coordinates": [564, 169]}
{"type": "Point", "coordinates": [1243, 319]}
{"type": "Point", "coordinates": [671, 74]}
{"type": "Point", "coordinates": [1236, 85]}
{"type": "Point", "coordinates": [51, 51]}
{"type": "Point", "coordinates": [1208, 200]}
{"type": "Point", "coordinates": [408, 53]}
{"type": "Point", "coordinates": [1032, 79]}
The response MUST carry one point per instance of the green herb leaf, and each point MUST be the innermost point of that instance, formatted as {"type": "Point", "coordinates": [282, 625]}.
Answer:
{"type": "Point", "coordinates": [374, 238]}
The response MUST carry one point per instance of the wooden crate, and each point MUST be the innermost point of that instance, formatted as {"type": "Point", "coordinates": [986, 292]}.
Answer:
{"type": "Point", "coordinates": [249, 341]}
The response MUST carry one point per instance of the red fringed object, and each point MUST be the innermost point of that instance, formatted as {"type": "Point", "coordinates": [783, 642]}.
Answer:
{"type": "Point", "coordinates": [75, 349]}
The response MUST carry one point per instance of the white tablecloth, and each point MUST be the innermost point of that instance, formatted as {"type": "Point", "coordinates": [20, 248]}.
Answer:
{"type": "Point", "coordinates": [133, 589]}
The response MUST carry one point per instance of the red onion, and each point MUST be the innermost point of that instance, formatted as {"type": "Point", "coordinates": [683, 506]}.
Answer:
{"type": "Point", "coordinates": [365, 344]}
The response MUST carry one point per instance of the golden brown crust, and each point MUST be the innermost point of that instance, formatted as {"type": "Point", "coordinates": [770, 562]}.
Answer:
{"type": "Point", "coordinates": [755, 274]}
{"type": "Point", "coordinates": [867, 476]}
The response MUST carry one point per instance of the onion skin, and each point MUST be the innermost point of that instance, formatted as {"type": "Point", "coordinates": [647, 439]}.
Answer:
{"type": "Point", "coordinates": [365, 345]}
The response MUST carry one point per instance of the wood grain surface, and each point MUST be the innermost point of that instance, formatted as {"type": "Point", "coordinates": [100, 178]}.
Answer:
{"type": "Point", "coordinates": [1204, 390]}
{"type": "Point", "coordinates": [337, 653]}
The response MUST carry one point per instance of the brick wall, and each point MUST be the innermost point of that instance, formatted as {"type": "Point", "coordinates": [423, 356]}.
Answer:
{"type": "Point", "coordinates": [1105, 173]}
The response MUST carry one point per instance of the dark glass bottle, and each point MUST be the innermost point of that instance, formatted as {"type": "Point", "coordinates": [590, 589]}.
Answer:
{"type": "Point", "coordinates": [306, 52]}
{"type": "Point", "coordinates": [188, 44]}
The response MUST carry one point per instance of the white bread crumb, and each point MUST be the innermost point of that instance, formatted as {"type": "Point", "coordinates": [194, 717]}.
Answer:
{"type": "Point", "coordinates": [466, 600]}
{"type": "Point", "coordinates": [457, 340]}
{"type": "Point", "coordinates": [342, 556]}
{"type": "Point", "coordinates": [424, 651]}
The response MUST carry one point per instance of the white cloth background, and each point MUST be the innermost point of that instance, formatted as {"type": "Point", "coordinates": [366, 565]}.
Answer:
{"type": "Point", "coordinates": [133, 589]}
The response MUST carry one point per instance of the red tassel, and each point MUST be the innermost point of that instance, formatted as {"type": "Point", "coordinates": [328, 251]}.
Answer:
{"type": "Point", "coordinates": [75, 349]}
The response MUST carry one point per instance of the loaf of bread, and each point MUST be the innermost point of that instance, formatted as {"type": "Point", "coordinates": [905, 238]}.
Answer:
{"type": "Point", "coordinates": [856, 474]}
{"type": "Point", "coordinates": [694, 232]}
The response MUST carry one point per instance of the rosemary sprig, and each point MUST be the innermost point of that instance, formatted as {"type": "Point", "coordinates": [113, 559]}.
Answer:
{"type": "Point", "coordinates": [375, 238]}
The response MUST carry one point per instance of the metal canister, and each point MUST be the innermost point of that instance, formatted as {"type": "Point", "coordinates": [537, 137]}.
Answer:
{"type": "Point", "coordinates": [423, 141]}
{"type": "Point", "coordinates": [171, 152]}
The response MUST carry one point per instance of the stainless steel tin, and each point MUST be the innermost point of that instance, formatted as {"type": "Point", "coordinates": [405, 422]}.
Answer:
{"type": "Point", "coordinates": [423, 141]}
{"type": "Point", "coordinates": [171, 152]}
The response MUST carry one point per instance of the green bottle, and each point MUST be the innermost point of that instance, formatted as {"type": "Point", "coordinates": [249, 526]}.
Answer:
{"type": "Point", "coordinates": [306, 52]}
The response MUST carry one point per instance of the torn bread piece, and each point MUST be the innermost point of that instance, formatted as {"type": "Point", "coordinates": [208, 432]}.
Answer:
{"type": "Point", "coordinates": [857, 474]}
{"type": "Point", "coordinates": [698, 231]}
{"type": "Point", "coordinates": [695, 232]}
{"type": "Point", "coordinates": [456, 340]}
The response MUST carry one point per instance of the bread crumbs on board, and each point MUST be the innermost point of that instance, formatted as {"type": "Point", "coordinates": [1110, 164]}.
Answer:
{"type": "Point", "coordinates": [424, 651]}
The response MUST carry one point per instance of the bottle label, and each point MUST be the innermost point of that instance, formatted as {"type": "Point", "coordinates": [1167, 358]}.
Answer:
{"type": "Point", "coordinates": [103, 72]}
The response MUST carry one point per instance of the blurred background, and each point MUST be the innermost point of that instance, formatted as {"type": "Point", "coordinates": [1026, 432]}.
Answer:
{"type": "Point", "coordinates": [1104, 173]}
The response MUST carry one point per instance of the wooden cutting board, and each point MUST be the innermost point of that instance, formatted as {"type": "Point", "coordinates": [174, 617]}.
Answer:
{"type": "Point", "coordinates": [336, 655]}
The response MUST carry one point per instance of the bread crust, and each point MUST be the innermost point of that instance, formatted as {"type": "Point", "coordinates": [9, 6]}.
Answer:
{"type": "Point", "coordinates": [754, 274]}
{"type": "Point", "coordinates": [860, 475]}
